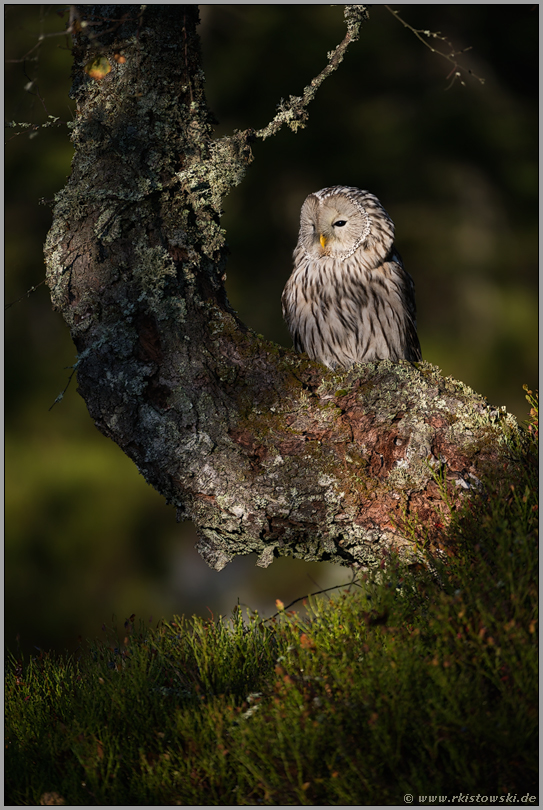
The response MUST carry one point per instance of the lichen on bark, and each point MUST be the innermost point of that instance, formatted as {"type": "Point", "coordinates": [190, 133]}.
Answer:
{"type": "Point", "coordinates": [264, 450]}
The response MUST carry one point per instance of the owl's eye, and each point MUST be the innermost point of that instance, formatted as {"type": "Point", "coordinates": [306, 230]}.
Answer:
{"type": "Point", "coordinates": [340, 223]}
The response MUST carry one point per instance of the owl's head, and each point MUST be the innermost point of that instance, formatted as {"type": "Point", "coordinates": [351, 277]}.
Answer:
{"type": "Point", "coordinates": [341, 220]}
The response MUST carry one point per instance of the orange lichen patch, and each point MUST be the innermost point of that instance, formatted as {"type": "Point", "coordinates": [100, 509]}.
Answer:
{"type": "Point", "coordinates": [98, 68]}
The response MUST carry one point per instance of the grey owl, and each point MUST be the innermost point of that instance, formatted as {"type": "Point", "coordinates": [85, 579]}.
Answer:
{"type": "Point", "coordinates": [349, 298]}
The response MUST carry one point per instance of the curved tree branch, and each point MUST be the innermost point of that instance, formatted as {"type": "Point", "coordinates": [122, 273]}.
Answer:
{"type": "Point", "coordinates": [293, 113]}
{"type": "Point", "coordinates": [264, 450]}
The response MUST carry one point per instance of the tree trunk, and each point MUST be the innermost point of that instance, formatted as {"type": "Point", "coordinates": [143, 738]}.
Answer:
{"type": "Point", "coordinates": [264, 450]}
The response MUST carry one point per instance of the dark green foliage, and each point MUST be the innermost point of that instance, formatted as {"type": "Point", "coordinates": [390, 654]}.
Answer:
{"type": "Point", "coordinates": [408, 683]}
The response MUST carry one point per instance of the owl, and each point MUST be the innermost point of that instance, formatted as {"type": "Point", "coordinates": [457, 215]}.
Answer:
{"type": "Point", "coordinates": [349, 298]}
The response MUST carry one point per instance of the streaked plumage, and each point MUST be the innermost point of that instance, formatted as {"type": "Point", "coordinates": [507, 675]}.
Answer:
{"type": "Point", "coordinates": [349, 298]}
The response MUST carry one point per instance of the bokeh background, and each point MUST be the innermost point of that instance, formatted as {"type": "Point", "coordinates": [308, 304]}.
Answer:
{"type": "Point", "coordinates": [455, 166]}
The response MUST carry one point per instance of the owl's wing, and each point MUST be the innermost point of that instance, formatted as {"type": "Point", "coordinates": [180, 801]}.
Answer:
{"type": "Point", "coordinates": [288, 301]}
{"type": "Point", "coordinates": [412, 339]}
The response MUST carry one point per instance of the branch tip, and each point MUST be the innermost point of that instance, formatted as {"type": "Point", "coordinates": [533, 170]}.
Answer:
{"type": "Point", "coordinates": [293, 113]}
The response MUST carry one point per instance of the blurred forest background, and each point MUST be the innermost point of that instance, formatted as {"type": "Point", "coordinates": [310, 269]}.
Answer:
{"type": "Point", "coordinates": [456, 168]}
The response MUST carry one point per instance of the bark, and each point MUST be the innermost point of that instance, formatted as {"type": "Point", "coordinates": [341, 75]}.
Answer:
{"type": "Point", "coordinates": [265, 451]}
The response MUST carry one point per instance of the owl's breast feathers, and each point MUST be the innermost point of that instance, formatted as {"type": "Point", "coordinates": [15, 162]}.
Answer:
{"type": "Point", "coordinates": [345, 312]}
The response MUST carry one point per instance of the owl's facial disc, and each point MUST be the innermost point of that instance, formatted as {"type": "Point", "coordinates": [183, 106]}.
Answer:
{"type": "Point", "coordinates": [333, 228]}
{"type": "Point", "coordinates": [332, 231]}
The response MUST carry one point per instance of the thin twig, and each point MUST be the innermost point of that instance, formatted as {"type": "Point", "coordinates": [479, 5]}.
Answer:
{"type": "Point", "coordinates": [61, 395]}
{"type": "Point", "coordinates": [25, 125]}
{"type": "Point", "coordinates": [309, 596]}
{"type": "Point", "coordinates": [26, 295]}
{"type": "Point", "coordinates": [451, 57]}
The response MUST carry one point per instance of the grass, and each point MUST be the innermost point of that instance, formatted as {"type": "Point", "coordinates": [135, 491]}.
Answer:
{"type": "Point", "coordinates": [401, 684]}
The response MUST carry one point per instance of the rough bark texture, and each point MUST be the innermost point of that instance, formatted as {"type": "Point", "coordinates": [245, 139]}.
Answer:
{"type": "Point", "coordinates": [265, 451]}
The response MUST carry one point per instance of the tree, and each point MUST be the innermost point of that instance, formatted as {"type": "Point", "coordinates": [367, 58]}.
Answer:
{"type": "Point", "coordinates": [265, 451]}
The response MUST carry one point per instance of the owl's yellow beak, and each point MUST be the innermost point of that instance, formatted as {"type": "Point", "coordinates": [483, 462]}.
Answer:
{"type": "Point", "coordinates": [323, 241]}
